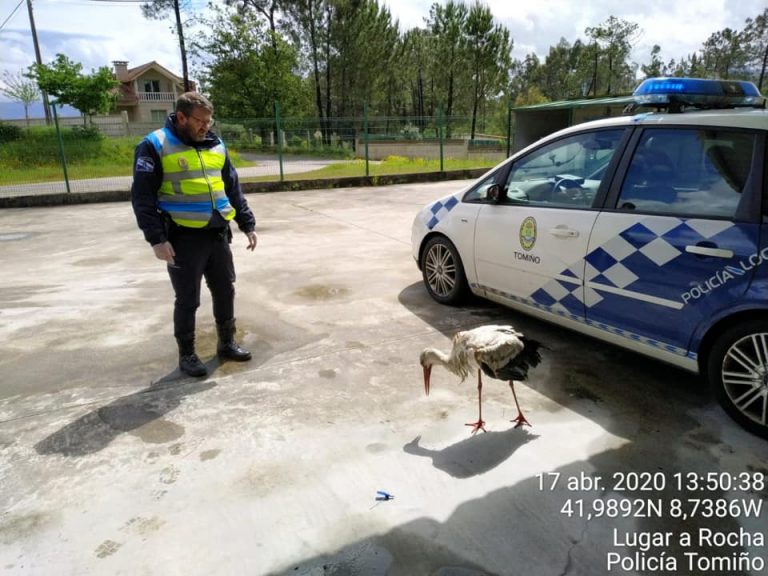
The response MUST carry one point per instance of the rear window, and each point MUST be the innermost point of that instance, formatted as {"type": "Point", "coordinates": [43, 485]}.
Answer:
{"type": "Point", "coordinates": [688, 172]}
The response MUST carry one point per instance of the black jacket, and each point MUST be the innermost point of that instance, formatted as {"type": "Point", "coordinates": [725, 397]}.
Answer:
{"type": "Point", "coordinates": [148, 175]}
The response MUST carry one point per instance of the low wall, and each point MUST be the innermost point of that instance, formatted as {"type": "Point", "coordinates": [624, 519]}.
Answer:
{"type": "Point", "coordinates": [109, 125]}
{"type": "Point", "coordinates": [427, 149]}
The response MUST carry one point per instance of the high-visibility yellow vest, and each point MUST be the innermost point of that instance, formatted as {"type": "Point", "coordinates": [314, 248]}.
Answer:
{"type": "Point", "coordinates": [192, 186]}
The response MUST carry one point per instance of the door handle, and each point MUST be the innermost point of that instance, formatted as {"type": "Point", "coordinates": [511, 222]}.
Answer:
{"type": "Point", "coordinates": [713, 251]}
{"type": "Point", "coordinates": [564, 232]}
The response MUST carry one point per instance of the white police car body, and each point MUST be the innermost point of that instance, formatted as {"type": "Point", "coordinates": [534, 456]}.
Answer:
{"type": "Point", "coordinates": [646, 231]}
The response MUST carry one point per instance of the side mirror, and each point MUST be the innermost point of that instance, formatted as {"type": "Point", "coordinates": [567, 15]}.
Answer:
{"type": "Point", "coordinates": [494, 193]}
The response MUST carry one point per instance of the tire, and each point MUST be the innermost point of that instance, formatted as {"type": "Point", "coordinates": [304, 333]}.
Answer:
{"type": "Point", "coordinates": [443, 271]}
{"type": "Point", "coordinates": [737, 371]}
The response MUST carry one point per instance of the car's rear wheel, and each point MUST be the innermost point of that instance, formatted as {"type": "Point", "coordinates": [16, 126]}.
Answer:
{"type": "Point", "coordinates": [737, 370]}
{"type": "Point", "coordinates": [443, 271]}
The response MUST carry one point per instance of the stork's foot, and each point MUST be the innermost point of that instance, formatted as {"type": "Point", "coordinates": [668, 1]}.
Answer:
{"type": "Point", "coordinates": [520, 420]}
{"type": "Point", "coordinates": [479, 425]}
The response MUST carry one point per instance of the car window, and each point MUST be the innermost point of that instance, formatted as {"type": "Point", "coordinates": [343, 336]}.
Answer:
{"type": "Point", "coordinates": [479, 191]}
{"type": "Point", "coordinates": [688, 172]}
{"type": "Point", "coordinates": [563, 173]}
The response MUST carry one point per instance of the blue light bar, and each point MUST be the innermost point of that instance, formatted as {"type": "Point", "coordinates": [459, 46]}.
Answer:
{"type": "Point", "coordinates": [697, 92]}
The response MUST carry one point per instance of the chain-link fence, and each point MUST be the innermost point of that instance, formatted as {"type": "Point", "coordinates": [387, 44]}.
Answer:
{"type": "Point", "coordinates": [88, 155]}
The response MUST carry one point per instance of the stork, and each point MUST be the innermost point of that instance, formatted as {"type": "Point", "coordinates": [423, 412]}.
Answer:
{"type": "Point", "coordinates": [500, 351]}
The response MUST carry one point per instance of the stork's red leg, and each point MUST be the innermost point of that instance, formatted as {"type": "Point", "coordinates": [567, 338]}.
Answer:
{"type": "Point", "coordinates": [480, 424]}
{"type": "Point", "coordinates": [520, 418]}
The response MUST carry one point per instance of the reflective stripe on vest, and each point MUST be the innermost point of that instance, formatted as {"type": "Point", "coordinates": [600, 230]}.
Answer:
{"type": "Point", "coordinates": [192, 186]}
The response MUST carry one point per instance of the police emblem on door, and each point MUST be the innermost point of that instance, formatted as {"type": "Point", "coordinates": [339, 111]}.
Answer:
{"type": "Point", "coordinates": [528, 233]}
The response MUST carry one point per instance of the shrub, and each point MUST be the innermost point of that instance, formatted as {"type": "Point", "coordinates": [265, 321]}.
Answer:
{"type": "Point", "coordinates": [82, 133]}
{"type": "Point", "coordinates": [9, 133]}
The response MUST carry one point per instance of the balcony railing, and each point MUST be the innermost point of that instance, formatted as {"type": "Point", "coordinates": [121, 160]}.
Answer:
{"type": "Point", "coordinates": [156, 96]}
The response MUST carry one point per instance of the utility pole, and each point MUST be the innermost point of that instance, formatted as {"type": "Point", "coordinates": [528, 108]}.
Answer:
{"type": "Point", "coordinates": [180, 32]}
{"type": "Point", "coordinates": [39, 60]}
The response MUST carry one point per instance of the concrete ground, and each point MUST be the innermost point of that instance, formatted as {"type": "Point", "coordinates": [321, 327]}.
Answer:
{"type": "Point", "coordinates": [112, 463]}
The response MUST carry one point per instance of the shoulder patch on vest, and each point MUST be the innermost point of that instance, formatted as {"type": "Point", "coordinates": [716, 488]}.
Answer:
{"type": "Point", "coordinates": [145, 164]}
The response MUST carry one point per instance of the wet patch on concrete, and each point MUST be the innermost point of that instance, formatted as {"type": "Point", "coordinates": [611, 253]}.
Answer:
{"type": "Point", "coordinates": [376, 448]}
{"type": "Point", "coordinates": [330, 373]}
{"type": "Point", "coordinates": [159, 432]}
{"type": "Point", "coordinates": [209, 454]}
{"type": "Point", "coordinates": [16, 528]}
{"type": "Point", "coordinates": [107, 548]}
{"type": "Point", "coordinates": [321, 292]}
{"type": "Point", "coordinates": [140, 413]}
{"type": "Point", "coordinates": [175, 449]}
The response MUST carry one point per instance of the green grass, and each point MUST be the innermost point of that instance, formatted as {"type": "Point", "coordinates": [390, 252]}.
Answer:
{"type": "Point", "coordinates": [37, 160]}
{"type": "Point", "coordinates": [28, 161]}
{"type": "Point", "coordinates": [390, 166]}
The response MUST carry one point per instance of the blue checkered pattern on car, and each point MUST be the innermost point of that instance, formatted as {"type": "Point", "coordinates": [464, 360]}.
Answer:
{"type": "Point", "coordinates": [623, 261]}
{"type": "Point", "coordinates": [561, 311]}
{"type": "Point", "coordinates": [627, 265]}
{"type": "Point", "coordinates": [439, 210]}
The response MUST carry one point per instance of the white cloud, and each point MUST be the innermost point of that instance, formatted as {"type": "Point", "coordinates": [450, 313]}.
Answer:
{"type": "Point", "coordinates": [680, 28]}
{"type": "Point", "coordinates": [92, 33]}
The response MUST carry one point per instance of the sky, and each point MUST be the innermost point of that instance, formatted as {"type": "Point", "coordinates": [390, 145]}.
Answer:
{"type": "Point", "coordinates": [96, 32]}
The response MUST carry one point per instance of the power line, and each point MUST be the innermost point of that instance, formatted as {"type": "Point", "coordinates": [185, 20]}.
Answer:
{"type": "Point", "coordinates": [11, 14]}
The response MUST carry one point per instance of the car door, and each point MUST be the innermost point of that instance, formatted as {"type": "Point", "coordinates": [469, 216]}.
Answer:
{"type": "Point", "coordinates": [530, 245]}
{"type": "Point", "coordinates": [682, 240]}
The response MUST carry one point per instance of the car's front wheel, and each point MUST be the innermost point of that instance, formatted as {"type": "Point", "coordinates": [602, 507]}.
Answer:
{"type": "Point", "coordinates": [443, 271]}
{"type": "Point", "coordinates": [737, 370]}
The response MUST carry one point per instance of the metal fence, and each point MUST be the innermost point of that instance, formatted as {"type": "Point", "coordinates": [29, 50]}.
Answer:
{"type": "Point", "coordinates": [96, 154]}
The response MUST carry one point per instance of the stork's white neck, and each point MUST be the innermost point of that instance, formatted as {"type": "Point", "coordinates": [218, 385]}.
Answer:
{"type": "Point", "coordinates": [451, 362]}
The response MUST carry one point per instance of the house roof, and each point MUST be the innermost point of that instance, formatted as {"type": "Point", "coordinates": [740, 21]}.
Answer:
{"type": "Point", "coordinates": [133, 73]}
{"type": "Point", "coordinates": [583, 103]}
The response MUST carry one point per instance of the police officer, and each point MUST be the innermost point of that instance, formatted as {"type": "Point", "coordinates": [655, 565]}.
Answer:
{"type": "Point", "coordinates": [185, 193]}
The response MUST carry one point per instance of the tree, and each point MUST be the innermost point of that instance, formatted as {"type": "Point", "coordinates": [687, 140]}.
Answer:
{"type": "Point", "coordinates": [656, 67]}
{"type": "Point", "coordinates": [756, 33]}
{"type": "Point", "coordinates": [613, 43]}
{"type": "Point", "coordinates": [447, 25]}
{"type": "Point", "coordinates": [19, 88]}
{"type": "Point", "coordinates": [242, 73]}
{"type": "Point", "coordinates": [158, 10]}
{"type": "Point", "coordinates": [310, 31]}
{"type": "Point", "coordinates": [561, 73]}
{"type": "Point", "coordinates": [91, 94]}
{"type": "Point", "coordinates": [524, 76]}
{"type": "Point", "coordinates": [725, 54]}
{"type": "Point", "coordinates": [488, 50]}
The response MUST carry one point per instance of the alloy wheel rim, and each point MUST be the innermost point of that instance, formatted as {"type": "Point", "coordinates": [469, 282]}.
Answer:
{"type": "Point", "coordinates": [745, 376]}
{"type": "Point", "coordinates": [440, 270]}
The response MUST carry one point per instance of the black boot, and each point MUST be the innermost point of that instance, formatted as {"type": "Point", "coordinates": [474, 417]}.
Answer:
{"type": "Point", "coordinates": [227, 347]}
{"type": "Point", "coordinates": [189, 363]}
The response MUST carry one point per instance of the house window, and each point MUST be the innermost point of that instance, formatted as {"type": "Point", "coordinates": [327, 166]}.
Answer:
{"type": "Point", "coordinates": [151, 85]}
{"type": "Point", "coordinates": [159, 115]}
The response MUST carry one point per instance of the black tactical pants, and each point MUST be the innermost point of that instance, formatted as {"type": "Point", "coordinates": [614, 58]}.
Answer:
{"type": "Point", "coordinates": [201, 253]}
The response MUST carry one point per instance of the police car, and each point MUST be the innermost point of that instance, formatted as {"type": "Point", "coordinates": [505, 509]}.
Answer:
{"type": "Point", "coordinates": [649, 231]}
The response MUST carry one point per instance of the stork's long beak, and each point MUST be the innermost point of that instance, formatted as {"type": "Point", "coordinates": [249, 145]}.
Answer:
{"type": "Point", "coordinates": [427, 372]}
